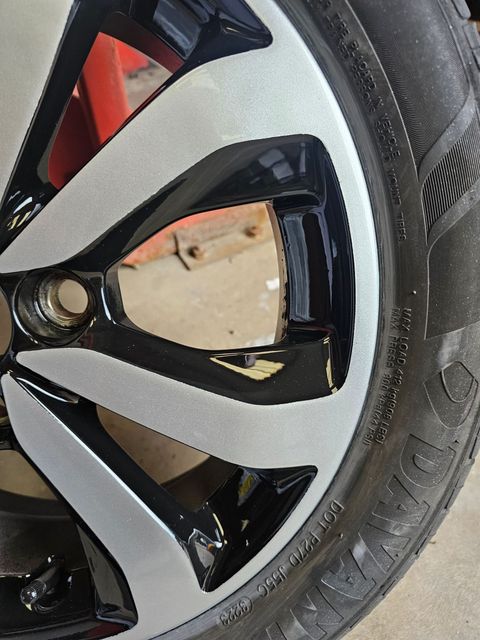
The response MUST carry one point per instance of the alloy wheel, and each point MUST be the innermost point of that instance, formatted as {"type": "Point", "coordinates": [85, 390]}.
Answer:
{"type": "Point", "coordinates": [248, 117]}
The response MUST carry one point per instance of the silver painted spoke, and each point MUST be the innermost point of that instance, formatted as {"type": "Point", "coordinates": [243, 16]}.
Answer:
{"type": "Point", "coordinates": [27, 54]}
{"type": "Point", "coordinates": [204, 111]}
{"type": "Point", "coordinates": [157, 569]}
{"type": "Point", "coordinates": [248, 435]}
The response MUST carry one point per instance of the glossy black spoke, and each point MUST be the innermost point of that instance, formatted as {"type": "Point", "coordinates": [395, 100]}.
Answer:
{"type": "Point", "coordinates": [202, 30]}
{"type": "Point", "coordinates": [320, 296]}
{"type": "Point", "coordinates": [220, 536]}
{"type": "Point", "coordinates": [310, 360]}
{"type": "Point", "coordinates": [259, 375]}
{"type": "Point", "coordinates": [251, 506]}
{"type": "Point", "coordinates": [196, 533]}
{"type": "Point", "coordinates": [285, 171]}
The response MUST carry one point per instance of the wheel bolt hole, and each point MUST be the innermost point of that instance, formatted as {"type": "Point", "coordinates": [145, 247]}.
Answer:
{"type": "Point", "coordinates": [63, 301]}
{"type": "Point", "coordinates": [72, 297]}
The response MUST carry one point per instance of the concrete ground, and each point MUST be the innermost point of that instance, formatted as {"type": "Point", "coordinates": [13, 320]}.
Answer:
{"type": "Point", "coordinates": [439, 597]}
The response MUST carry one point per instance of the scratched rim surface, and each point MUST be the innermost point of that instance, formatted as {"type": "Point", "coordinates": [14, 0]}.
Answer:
{"type": "Point", "coordinates": [284, 438]}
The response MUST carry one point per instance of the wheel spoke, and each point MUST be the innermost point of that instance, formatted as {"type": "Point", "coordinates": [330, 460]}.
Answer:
{"type": "Point", "coordinates": [245, 434]}
{"type": "Point", "coordinates": [215, 112]}
{"type": "Point", "coordinates": [24, 74]}
{"type": "Point", "coordinates": [157, 569]}
{"type": "Point", "coordinates": [260, 375]}
{"type": "Point", "coordinates": [196, 533]}
{"type": "Point", "coordinates": [287, 169]}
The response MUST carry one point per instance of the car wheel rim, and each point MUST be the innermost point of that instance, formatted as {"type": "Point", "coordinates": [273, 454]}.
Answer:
{"type": "Point", "coordinates": [242, 134]}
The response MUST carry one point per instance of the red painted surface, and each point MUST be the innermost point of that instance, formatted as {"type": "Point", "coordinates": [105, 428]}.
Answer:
{"type": "Point", "coordinates": [102, 89]}
{"type": "Point", "coordinates": [97, 109]}
{"type": "Point", "coordinates": [131, 59]}
{"type": "Point", "coordinates": [73, 146]}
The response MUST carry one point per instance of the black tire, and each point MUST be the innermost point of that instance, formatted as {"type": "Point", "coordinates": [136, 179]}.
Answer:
{"type": "Point", "coordinates": [407, 76]}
